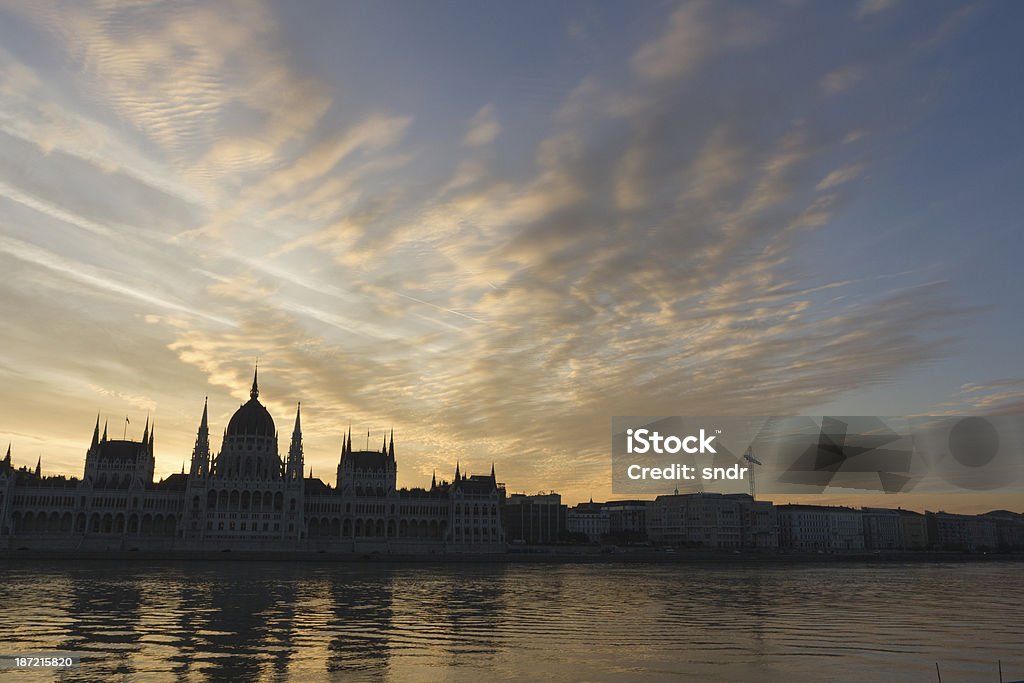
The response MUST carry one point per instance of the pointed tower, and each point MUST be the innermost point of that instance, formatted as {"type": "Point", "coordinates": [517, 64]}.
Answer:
{"type": "Point", "coordinates": [492, 472]}
{"type": "Point", "coordinates": [384, 446]}
{"type": "Point", "coordinates": [391, 446]}
{"type": "Point", "coordinates": [104, 439]}
{"type": "Point", "coordinates": [7, 458]}
{"type": "Point", "coordinates": [254, 393]}
{"type": "Point", "coordinates": [433, 480]}
{"type": "Point", "coordinates": [456, 470]}
{"type": "Point", "coordinates": [145, 432]}
{"type": "Point", "coordinates": [201, 452]}
{"type": "Point", "coordinates": [95, 434]}
{"type": "Point", "coordinates": [345, 463]}
{"type": "Point", "coordinates": [295, 467]}
{"type": "Point", "coordinates": [39, 466]}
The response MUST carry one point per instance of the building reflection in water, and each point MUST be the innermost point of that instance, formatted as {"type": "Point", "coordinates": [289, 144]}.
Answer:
{"type": "Point", "coordinates": [264, 621]}
{"type": "Point", "coordinates": [237, 622]}
{"type": "Point", "coordinates": [102, 620]}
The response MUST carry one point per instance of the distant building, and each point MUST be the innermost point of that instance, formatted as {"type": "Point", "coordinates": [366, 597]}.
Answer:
{"type": "Point", "coordinates": [914, 528]}
{"type": "Point", "coordinates": [817, 527]}
{"type": "Point", "coordinates": [627, 520]}
{"type": "Point", "coordinates": [618, 521]}
{"type": "Point", "coordinates": [762, 522]}
{"type": "Point", "coordinates": [883, 529]}
{"type": "Point", "coordinates": [589, 519]}
{"type": "Point", "coordinates": [534, 519]}
{"type": "Point", "coordinates": [1009, 528]}
{"type": "Point", "coordinates": [712, 520]}
{"type": "Point", "coordinates": [948, 531]}
{"type": "Point", "coordinates": [244, 497]}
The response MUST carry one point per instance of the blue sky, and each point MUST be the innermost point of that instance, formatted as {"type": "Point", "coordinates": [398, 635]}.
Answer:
{"type": "Point", "coordinates": [492, 226]}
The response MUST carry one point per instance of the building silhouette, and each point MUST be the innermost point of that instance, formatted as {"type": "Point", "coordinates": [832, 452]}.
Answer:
{"type": "Point", "coordinates": [245, 497]}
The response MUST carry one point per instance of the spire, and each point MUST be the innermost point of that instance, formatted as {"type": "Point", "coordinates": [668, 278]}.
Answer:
{"type": "Point", "coordinates": [104, 431]}
{"type": "Point", "coordinates": [391, 446]}
{"type": "Point", "coordinates": [492, 470]}
{"type": "Point", "coordinates": [201, 452]}
{"type": "Point", "coordinates": [433, 480]}
{"type": "Point", "coordinates": [95, 433]}
{"type": "Point", "coordinates": [145, 431]}
{"type": "Point", "coordinates": [349, 438]}
{"type": "Point", "coordinates": [39, 466]}
{"type": "Point", "coordinates": [384, 446]}
{"type": "Point", "coordinates": [254, 393]}
{"type": "Point", "coordinates": [456, 470]}
{"type": "Point", "coordinates": [7, 459]}
{"type": "Point", "coordinates": [152, 431]}
{"type": "Point", "coordinates": [294, 469]}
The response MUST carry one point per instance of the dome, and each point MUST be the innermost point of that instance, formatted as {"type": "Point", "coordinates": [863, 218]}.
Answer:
{"type": "Point", "coordinates": [252, 417]}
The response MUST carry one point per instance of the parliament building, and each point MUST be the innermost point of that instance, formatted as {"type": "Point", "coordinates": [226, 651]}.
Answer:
{"type": "Point", "coordinates": [246, 497]}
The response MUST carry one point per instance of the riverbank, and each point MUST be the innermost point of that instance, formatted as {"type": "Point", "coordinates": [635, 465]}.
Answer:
{"type": "Point", "coordinates": [519, 555]}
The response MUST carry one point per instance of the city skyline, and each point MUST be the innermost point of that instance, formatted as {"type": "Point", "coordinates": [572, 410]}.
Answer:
{"type": "Point", "coordinates": [493, 228]}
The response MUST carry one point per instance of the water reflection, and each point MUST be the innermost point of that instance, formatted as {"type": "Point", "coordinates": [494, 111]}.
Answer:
{"type": "Point", "coordinates": [238, 621]}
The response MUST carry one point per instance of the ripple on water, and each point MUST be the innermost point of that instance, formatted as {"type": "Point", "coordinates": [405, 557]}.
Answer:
{"type": "Point", "coordinates": [561, 622]}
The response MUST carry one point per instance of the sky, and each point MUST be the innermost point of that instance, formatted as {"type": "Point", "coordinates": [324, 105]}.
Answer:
{"type": "Point", "coordinates": [493, 226]}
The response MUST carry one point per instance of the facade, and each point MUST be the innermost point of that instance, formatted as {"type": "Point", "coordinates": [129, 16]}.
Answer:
{"type": "Point", "coordinates": [948, 531]}
{"type": "Point", "coordinates": [589, 519]}
{"type": "Point", "coordinates": [245, 497]}
{"type": "Point", "coordinates": [883, 529]}
{"type": "Point", "coordinates": [817, 527]}
{"type": "Point", "coordinates": [537, 519]}
{"type": "Point", "coordinates": [712, 520]}
{"type": "Point", "coordinates": [1009, 528]}
{"type": "Point", "coordinates": [627, 520]}
{"type": "Point", "coordinates": [914, 528]}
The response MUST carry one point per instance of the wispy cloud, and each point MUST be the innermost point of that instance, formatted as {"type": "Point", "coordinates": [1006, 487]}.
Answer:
{"type": "Point", "coordinates": [841, 80]}
{"type": "Point", "coordinates": [869, 7]}
{"type": "Point", "coordinates": [839, 176]}
{"type": "Point", "coordinates": [695, 32]}
{"type": "Point", "coordinates": [483, 127]}
{"type": "Point", "coordinates": [196, 195]}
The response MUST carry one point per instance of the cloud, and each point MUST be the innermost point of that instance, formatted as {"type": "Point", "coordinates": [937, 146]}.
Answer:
{"type": "Point", "coordinates": [483, 127]}
{"type": "Point", "coordinates": [841, 79]}
{"type": "Point", "coordinates": [208, 201]}
{"type": "Point", "coordinates": [839, 176]}
{"type": "Point", "coordinates": [994, 397]}
{"type": "Point", "coordinates": [869, 7]}
{"type": "Point", "coordinates": [695, 32]}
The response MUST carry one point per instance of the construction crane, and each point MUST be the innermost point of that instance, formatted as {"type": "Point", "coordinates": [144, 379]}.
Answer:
{"type": "Point", "coordinates": [749, 457]}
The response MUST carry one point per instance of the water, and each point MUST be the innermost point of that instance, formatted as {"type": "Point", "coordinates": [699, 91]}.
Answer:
{"type": "Point", "coordinates": [468, 622]}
